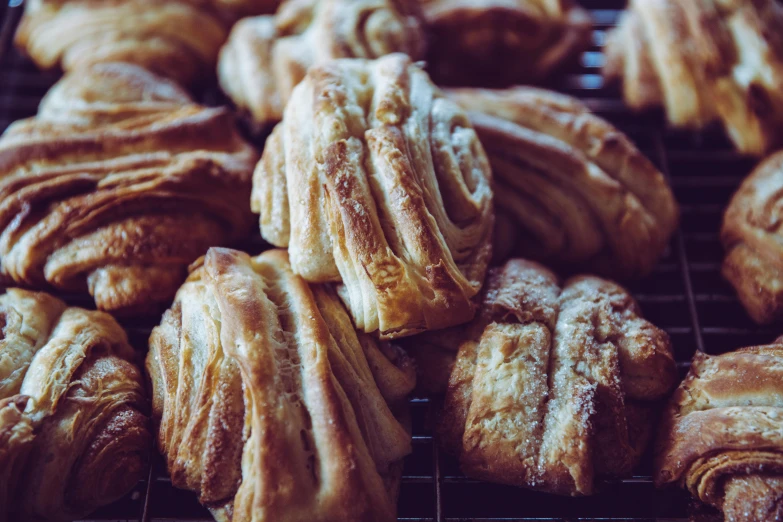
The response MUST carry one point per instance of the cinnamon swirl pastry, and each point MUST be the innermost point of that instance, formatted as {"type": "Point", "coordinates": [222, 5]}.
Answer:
{"type": "Point", "coordinates": [502, 42]}
{"type": "Point", "coordinates": [74, 435]}
{"type": "Point", "coordinates": [552, 385]}
{"type": "Point", "coordinates": [570, 189]}
{"type": "Point", "coordinates": [267, 56]}
{"type": "Point", "coordinates": [722, 435]}
{"type": "Point", "coordinates": [705, 61]}
{"type": "Point", "coordinates": [376, 181]}
{"type": "Point", "coordinates": [269, 404]}
{"type": "Point", "coordinates": [118, 184]}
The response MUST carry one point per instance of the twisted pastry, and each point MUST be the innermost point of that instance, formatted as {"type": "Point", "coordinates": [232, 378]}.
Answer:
{"type": "Point", "coordinates": [502, 42]}
{"type": "Point", "coordinates": [314, 438]}
{"type": "Point", "coordinates": [96, 191]}
{"type": "Point", "coordinates": [722, 435]}
{"type": "Point", "coordinates": [570, 189]}
{"type": "Point", "coordinates": [705, 61]}
{"type": "Point", "coordinates": [376, 180]}
{"type": "Point", "coordinates": [551, 384]}
{"type": "Point", "coordinates": [75, 436]}
{"type": "Point", "coordinates": [267, 56]}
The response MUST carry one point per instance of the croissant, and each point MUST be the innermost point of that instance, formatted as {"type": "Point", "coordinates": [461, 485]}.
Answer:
{"type": "Point", "coordinates": [570, 189]}
{"type": "Point", "coordinates": [552, 385]}
{"type": "Point", "coordinates": [97, 190]}
{"type": "Point", "coordinates": [269, 404]}
{"type": "Point", "coordinates": [74, 434]}
{"type": "Point", "coordinates": [705, 61]}
{"type": "Point", "coordinates": [722, 435]}
{"type": "Point", "coordinates": [267, 56]}
{"type": "Point", "coordinates": [502, 42]}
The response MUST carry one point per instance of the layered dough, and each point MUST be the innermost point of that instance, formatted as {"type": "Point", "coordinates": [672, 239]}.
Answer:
{"type": "Point", "coordinates": [570, 189]}
{"type": "Point", "coordinates": [705, 61]}
{"type": "Point", "coordinates": [269, 404]}
{"type": "Point", "coordinates": [722, 435]}
{"type": "Point", "coordinates": [552, 384]}
{"type": "Point", "coordinates": [378, 182]}
{"type": "Point", "coordinates": [118, 184]}
{"type": "Point", "coordinates": [267, 56]}
{"type": "Point", "coordinates": [502, 42]}
{"type": "Point", "coordinates": [74, 431]}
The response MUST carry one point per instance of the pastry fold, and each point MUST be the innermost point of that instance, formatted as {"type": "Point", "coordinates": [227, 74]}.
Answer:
{"type": "Point", "coordinates": [704, 61]}
{"type": "Point", "coordinates": [378, 182]}
{"type": "Point", "coordinates": [552, 385]}
{"type": "Point", "coordinates": [74, 433]}
{"type": "Point", "coordinates": [267, 56]}
{"type": "Point", "coordinates": [269, 404]}
{"type": "Point", "coordinates": [571, 190]}
{"type": "Point", "coordinates": [118, 184]}
{"type": "Point", "coordinates": [722, 435]}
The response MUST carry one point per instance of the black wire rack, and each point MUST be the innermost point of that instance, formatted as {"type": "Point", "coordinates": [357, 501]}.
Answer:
{"type": "Point", "coordinates": [685, 295]}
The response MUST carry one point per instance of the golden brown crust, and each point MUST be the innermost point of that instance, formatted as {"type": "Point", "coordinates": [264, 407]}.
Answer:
{"type": "Point", "coordinates": [705, 61]}
{"type": "Point", "coordinates": [269, 404]}
{"type": "Point", "coordinates": [502, 42]}
{"type": "Point", "coordinates": [267, 56]}
{"type": "Point", "coordinates": [722, 435]}
{"type": "Point", "coordinates": [570, 189]}
{"type": "Point", "coordinates": [16, 437]}
{"type": "Point", "coordinates": [552, 392]}
{"type": "Point", "coordinates": [388, 193]}
{"type": "Point", "coordinates": [96, 191]}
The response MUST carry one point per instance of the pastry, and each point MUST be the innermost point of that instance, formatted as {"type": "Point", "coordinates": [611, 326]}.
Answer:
{"type": "Point", "coordinates": [704, 61]}
{"type": "Point", "coordinates": [267, 56]}
{"type": "Point", "coordinates": [552, 384]}
{"type": "Point", "coordinates": [118, 184]}
{"type": "Point", "coordinates": [74, 433]}
{"type": "Point", "coordinates": [269, 404]}
{"type": "Point", "coordinates": [722, 435]}
{"type": "Point", "coordinates": [570, 190]}
{"type": "Point", "coordinates": [502, 42]}
{"type": "Point", "coordinates": [751, 235]}
{"type": "Point", "coordinates": [376, 181]}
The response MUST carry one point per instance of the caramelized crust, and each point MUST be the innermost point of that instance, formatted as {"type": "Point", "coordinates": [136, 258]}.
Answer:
{"type": "Point", "coordinates": [549, 385]}
{"type": "Point", "coordinates": [570, 189]}
{"type": "Point", "coordinates": [267, 56]}
{"type": "Point", "coordinates": [16, 437]}
{"type": "Point", "coordinates": [705, 61]}
{"type": "Point", "coordinates": [722, 435]}
{"type": "Point", "coordinates": [377, 181]}
{"type": "Point", "coordinates": [269, 404]}
{"type": "Point", "coordinates": [96, 191]}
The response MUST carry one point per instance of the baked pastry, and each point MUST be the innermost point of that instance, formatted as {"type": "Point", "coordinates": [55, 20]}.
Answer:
{"type": "Point", "coordinates": [497, 43]}
{"type": "Point", "coordinates": [377, 181]}
{"type": "Point", "coordinates": [570, 189]}
{"type": "Point", "coordinates": [269, 404]}
{"type": "Point", "coordinates": [75, 435]}
{"type": "Point", "coordinates": [118, 184]}
{"type": "Point", "coordinates": [705, 61]}
{"type": "Point", "coordinates": [267, 56]}
{"type": "Point", "coordinates": [751, 236]}
{"type": "Point", "coordinates": [722, 434]}
{"type": "Point", "coordinates": [556, 388]}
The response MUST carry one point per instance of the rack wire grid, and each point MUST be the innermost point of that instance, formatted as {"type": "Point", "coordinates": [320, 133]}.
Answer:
{"type": "Point", "coordinates": [686, 296]}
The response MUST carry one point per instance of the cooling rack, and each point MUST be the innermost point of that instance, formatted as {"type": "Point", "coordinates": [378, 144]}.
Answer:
{"type": "Point", "coordinates": [685, 295]}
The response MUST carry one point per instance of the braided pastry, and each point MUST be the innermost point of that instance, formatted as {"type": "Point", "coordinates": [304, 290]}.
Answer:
{"type": "Point", "coordinates": [117, 185]}
{"type": "Point", "coordinates": [269, 404]}
{"type": "Point", "coordinates": [722, 435]}
{"type": "Point", "coordinates": [375, 180]}
{"type": "Point", "coordinates": [267, 56]}
{"type": "Point", "coordinates": [570, 189]}
{"type": "Point", "coordinates": [502, 42]}
{"type": "Point", "coordinates": [705, 61]}
{"type": "Point", "coordinates": [76, 435]}
{"type": "Point", "coordinates": [551, 385]}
